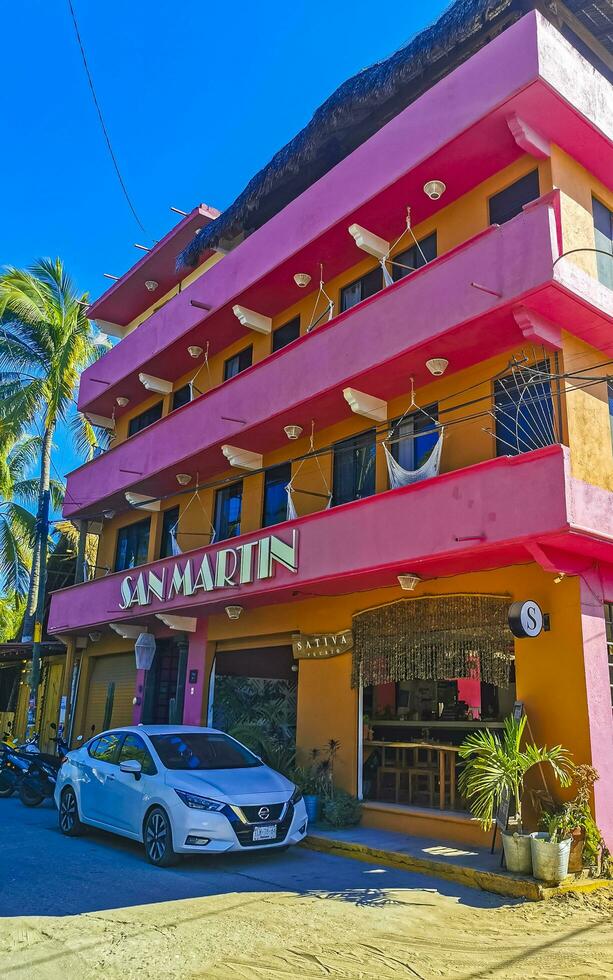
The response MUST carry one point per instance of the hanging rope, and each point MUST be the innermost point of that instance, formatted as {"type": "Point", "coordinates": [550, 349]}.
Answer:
{"type": "Point", "coordinates": [329, 307]}
{"type": "Point", "coordinates": [174, 530]}
{"type": "Point", "coordinates": [290, 489]}
{"type": "Point", "coordinates": [387, 278]}
{"type": "Point", "coordinates": [205, 364]}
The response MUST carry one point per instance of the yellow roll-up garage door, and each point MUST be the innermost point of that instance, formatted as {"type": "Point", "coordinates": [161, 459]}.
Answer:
{"type": "Point", "coordinates": [113, 680]}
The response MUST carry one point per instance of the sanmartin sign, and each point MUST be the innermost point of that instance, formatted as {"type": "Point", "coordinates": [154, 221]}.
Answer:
{"type": "Point", "coordinates": [222, 569]}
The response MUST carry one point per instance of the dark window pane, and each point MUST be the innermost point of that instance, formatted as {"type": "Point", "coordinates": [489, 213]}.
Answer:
{"type": "Point", "coordinates": [509, 202]}
{"type": "Point", "coordinates": [105, 749]}
{"type": "Point", "coordinates": [523, 407]}
{"type": "Point", "coordinates": [132, 545]}
{"type": "Point", "coordinates": [275, 497]}
{"type": "Point", "coordinates": [603, 239]}
{"type": "Point", "coordinates": [354, 468]}
{"type": "Point", "coordinates": [406, 262]}
{"type": "Point", "coordinates": [134, 748]}
{"type": "Point", "coordinates": [234, 365]}
{"type": "Point", "coordinates": [182, 396]}
{"type": "Point", "coordinates": [284, 335]}
{"type": "Point", "coordinates": [169, 523]}
{"type": "Point", "coordinates": [146, 418]}
{"type": "Point", "coordinates": [415, 438]}
{"type": "Point", "coordinates": [228, 505]}
{"type": "Point", "coordinates": [196, 750]}
{"type": "Point", "coordinates": [361, 289]}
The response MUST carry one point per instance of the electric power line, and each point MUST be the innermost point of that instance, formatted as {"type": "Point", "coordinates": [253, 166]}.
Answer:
{"type": "Point", "coordinates": [101, 118]}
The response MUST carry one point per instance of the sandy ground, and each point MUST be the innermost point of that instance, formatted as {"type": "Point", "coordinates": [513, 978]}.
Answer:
{"type": "Point", "coordinates": [276, 936]}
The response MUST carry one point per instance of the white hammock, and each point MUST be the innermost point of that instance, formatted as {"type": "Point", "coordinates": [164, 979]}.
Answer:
{"type": "Point", "coordinates": [399, 477]}
{"type": "Point", "coordinates": [292, 514]}
{"type": "Point", "coordinates": [174, 530]}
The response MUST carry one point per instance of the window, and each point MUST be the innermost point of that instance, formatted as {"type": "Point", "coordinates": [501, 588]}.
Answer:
{"type": "Point", "coordinates": [228, 505]}
{"type": "Point", "coordinates": [181, 397]}
{"type": "Point", "coordinates": [406, 262]}
{"type": "Point", "coordinates": [608, 618]}
{"type": "Point", "coordinates": [524, 412]}
{"type": "Point", "coordinates": [354, 468]}
{"type": "Point", "coordinates": [275, 497]}
{"type": "Point", "coordinates": [134, 748]}
{"type": "Point", "coordinates": [603, 239]}
{"type": "Point", "coordinates": [140, 422]}
{"type": "Point", "coordinates": [415, 438]}
{"type": "Point", "coordinates": [105, 749]}
{"type": "Point", "coordinates": [509, 202]}
{"type": "Point", "coordinates": [197, 750]}
{"type": "Point", "coordinates": [169, 522]}
{"type": "Point", "coordinates": [368, 285]}
{"type": "Point", "coordinates": [132, 545]}
{"type": "Point", "coordinates": [234, 365]}
{"type": "Point", "coordinates": [284, 335]}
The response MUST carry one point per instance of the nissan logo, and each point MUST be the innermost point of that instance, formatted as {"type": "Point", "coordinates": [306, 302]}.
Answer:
{"type": "Point", "coordinates": [263, 813]}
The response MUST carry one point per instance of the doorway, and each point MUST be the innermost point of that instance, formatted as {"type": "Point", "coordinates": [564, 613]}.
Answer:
{"type": "Point", "coordinates": [165, 685]}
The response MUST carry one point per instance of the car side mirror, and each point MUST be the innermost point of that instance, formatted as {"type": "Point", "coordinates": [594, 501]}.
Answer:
{"type": "Point", "coordinates": [132, 766]}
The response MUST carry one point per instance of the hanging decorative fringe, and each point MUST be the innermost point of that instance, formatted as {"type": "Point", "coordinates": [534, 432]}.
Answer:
{"type": "Point", "coordinates": [433, 638]}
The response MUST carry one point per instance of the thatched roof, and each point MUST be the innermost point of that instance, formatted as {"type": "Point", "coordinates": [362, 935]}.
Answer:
{"type": "Point", "coordinates": [368, 100]}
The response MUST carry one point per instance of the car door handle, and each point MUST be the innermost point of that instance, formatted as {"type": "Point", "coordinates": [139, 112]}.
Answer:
{"type": "Point", "coordinates": [109, 777]}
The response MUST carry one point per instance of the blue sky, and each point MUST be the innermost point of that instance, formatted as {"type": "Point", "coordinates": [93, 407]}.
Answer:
{"type": "Point", "coordinates": [196, 96]}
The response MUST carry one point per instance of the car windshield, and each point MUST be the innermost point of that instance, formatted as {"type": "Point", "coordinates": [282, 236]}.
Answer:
{"type": "Point", "coordinates": [203, 750]}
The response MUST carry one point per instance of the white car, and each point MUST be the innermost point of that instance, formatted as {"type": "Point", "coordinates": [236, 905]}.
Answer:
{"type": "Point", "coordinates": [179, 790]}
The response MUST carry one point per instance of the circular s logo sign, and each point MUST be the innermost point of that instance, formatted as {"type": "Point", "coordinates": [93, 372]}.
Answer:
{"type": "Point", "coordinates": [525, 618]}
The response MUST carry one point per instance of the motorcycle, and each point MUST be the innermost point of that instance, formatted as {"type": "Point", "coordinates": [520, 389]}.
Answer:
{"type": "Point", "coordinates": [38, 781]}
{"type": "Point", "coordinates": [13, 766]}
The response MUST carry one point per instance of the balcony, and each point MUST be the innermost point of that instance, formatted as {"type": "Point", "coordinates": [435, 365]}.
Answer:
{"type": "Point", "coordinates": [505, 511]}
{"type": "Point", "coordinates": [465, 303]}
{"type": "Point", "coordinates": [458, 130]}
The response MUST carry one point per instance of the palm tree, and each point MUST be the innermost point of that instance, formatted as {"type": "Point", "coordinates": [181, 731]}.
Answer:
{"type": "Point", "coordinates": [496, 768]}
{"type": "Point", "coordinates": [46, 341]}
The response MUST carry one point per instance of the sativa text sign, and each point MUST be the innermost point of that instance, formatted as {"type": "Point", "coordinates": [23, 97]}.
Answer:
{"type": "Point", "coordinates": [225, 568]}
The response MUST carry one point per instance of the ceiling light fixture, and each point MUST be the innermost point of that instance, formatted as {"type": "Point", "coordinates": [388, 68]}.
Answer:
{"type": "Point", "coordinates": [194, 351]}
{"type": "Point", "coordinates": [409, 581]}
{"type": "Point", "coordinates": [122, 401]}
{"type": "Point", "coordinates": [109, 514]}
{"type": "Point", "coordinates": [183, 479]}
{"type": "Point", "coordinates": [293, 431]}
{"type": "Point", "coordinates": [95, 635]}
{"type": "Point", "coordinates": [434, 189]}
{"type": "Point", "coordinates": [559, 577]}
{"type": "Point", "coordinates": [233, 612]}
{"type": "Point", "coordinates": [437, 366]}
{"type": "Point", "coordinates": [151, 285]}
{"type": "Point", "coordinates": [302, 279]}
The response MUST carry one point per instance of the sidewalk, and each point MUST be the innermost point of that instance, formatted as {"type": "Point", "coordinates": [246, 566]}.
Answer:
{"type": "Point", "coordinates": [471, 866]}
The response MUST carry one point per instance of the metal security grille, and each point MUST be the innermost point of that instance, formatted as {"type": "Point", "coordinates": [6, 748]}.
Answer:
{"type": "Point", "coordinates": [608, 618]}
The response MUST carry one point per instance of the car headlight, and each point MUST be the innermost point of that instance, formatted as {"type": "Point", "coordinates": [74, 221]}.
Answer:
{"type": "Point", "coordinates": [199, 802]}
{"type": "Point", "coordinates": [296, 795]}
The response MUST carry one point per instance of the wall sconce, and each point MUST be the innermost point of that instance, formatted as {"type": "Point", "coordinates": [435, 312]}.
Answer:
{"type": "Point", "coordinates": [293, 431]}
{"type": "Point", "coordinates": [409, 582]}
{"type": "Point", "coordinates": [233, 612]}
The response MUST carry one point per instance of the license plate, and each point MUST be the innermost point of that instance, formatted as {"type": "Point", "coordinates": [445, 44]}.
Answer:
{"type": "Point", "coordinates": [265, 833]}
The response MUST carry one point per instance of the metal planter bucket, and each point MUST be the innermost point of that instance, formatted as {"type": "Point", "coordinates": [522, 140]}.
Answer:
{"type": "Point", "coordinates": [311, 804]}
{"type": "Point", "coordinates": [517, 853]}
{"type": "Point", "coordinates": [549, 858]}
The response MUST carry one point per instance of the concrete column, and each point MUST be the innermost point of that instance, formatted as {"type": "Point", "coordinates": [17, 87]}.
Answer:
{"type": "Point", "coordinates": [193, 711]}
{"type": "Point", "coordinates": [598, 690]}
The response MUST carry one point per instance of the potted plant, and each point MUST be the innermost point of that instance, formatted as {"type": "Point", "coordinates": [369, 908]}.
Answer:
{"type": "Point", "coordinates": [316, 778]}
{"type": "Point", "coordinates": [495, 768]}
{"type": "Point", "coordinates": [341, 810]}
{"type": "Point", "coordinates": [573, 822]}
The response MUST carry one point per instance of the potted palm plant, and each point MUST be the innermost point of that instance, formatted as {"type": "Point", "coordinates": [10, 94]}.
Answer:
{"type": "Point", "coordinates": [495, 767]}
{"type": "Point", "coordinates": [572, 839]}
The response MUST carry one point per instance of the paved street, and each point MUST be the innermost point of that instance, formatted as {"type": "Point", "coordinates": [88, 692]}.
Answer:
{"type": "Point", "coordinates": [92, 907]}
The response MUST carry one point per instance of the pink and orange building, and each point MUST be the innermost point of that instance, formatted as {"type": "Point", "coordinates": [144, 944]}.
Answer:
{"type": "Point", "coordinates": [231, 382]}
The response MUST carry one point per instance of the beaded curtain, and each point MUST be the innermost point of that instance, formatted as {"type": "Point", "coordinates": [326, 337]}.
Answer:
{"type": "Point", "coordinates": [434, 637]}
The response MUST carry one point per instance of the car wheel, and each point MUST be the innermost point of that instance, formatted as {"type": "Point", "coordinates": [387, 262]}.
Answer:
{"type": "Point", "coordinates": [158, 839]}
{"type": "Point", "coordinates": [70, 824]}
{"type": "Point", "coordinates": [28, 795]}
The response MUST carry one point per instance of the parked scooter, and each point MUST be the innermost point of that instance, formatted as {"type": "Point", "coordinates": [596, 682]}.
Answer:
{"type": "Point", "coordinates": [37, 783]}
{"type": "Point", "coordinates": [13, 765]}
